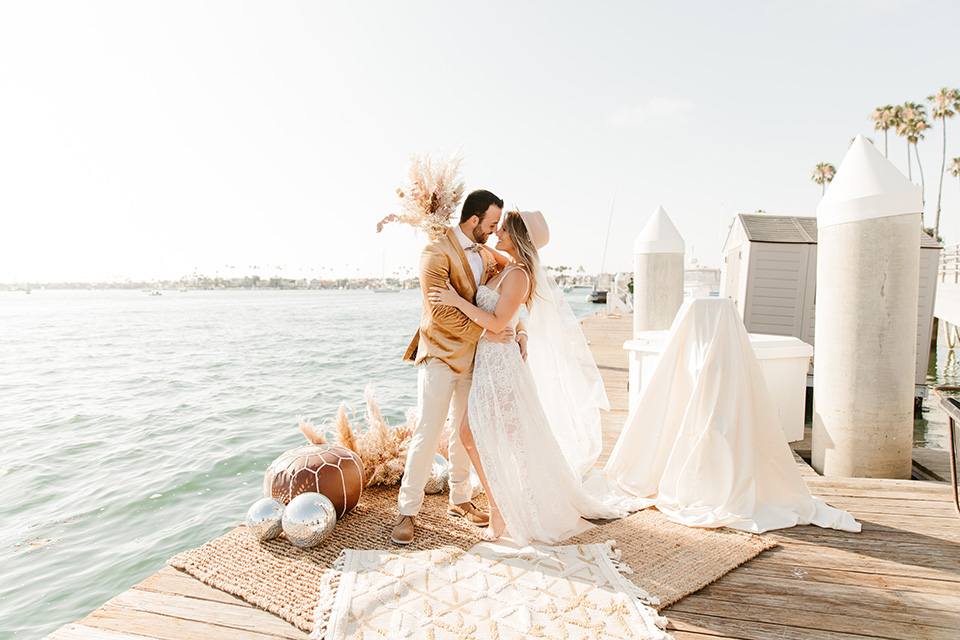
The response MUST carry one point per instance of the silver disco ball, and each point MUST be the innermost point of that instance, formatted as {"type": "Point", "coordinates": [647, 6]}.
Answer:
{"type": "Point", "coordinates": [264, 518]}
{"type": "Point", "coordinates": [309, 519]}
{"type": "Point", "coordinates": [439, 474]}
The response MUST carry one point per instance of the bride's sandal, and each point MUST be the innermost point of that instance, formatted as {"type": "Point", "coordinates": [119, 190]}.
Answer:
{"type": "Point", "coordinates": [493, 532]}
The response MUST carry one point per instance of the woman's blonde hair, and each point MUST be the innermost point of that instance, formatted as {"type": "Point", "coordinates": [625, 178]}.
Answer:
{"type": "Point", "coordinates": [526, 250]}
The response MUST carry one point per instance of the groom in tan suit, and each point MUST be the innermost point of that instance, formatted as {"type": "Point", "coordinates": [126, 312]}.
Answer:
{"type": "Point", "coordinates": [443, 351]}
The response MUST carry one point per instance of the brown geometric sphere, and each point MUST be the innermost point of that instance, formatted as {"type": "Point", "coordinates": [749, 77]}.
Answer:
{"type": "Point", "coordinates": [335, 472]}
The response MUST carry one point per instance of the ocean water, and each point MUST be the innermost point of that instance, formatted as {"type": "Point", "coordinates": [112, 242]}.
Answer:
{"type": "Point", "coordinates": [135, 427]}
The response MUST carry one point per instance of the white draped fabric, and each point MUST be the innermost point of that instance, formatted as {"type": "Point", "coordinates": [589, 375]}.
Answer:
{"type": "Point", "coordinates": [567, 379]}
{"type": "Point", "coordinates": [703, 441]}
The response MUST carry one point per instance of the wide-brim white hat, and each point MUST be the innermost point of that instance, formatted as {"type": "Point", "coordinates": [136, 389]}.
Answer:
{"type": "Point", "coordinates": [537, 228]}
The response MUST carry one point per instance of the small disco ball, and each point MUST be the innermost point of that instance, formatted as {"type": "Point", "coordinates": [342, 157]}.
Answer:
{"type": "Point", "coordinates": [309, 519]}
{"type": "Point", "coordinates": [439, 474]}
{"type": "Point", "coordinates": [264, 518]}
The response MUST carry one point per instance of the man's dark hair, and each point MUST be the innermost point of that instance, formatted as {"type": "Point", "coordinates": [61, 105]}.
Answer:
{"type": "Point", "coordinates": [477, 204]}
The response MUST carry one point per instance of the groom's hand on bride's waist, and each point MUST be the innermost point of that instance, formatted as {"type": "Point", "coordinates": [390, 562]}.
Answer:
{"type": "Point", "coordinates": [522, 341]}
{"type": "Point", "coordinates": [503, 337]}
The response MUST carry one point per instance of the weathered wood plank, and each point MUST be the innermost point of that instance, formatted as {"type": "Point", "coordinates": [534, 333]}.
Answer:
{"type": "Point", "coordinates": [692, 635]}
{"type": "Point", "coordinates": [923, 495]}
{"type": "Point", "coordinates": [215, 613]}
{"type": "Point", "coordinates": [894, 542]}
{"type": "Point", "coordinates": [889, 605]}
{"type": "Point", "coordinates": [83, 632]}
{"type": "Point", "coordinates": [175, 582]}
{"type": "Point", "coordinates": [789, 612]}
{"type": "Point", "coordinates": [752, 630]}
{"type": "Point", "coordinates": [919, 487]}
{"type": "Point", "coordinates": [166, 627]}
{"type": "Point", "coordinates": [809, 574]}
{"type": "Point", "coordinates": [804, 556]}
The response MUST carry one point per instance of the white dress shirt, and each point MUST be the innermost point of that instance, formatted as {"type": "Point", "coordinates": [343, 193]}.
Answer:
{"type": "Point", "coordinates": [473, 257]}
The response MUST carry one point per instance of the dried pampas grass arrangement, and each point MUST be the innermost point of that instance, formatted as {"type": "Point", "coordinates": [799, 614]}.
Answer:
{"type": "Point", "coordinates": [433, 191]}
{"type": "Point", "coordinates": [310, 431]}
{"type": "Point", "coordinates": [382, 448]}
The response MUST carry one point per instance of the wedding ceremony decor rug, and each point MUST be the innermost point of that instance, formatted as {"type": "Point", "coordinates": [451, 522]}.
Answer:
{"type": "Point", "coordinates": [670, 560]}
{"type": "Point", "coordinates": [544, 592]}
{"type": "Point", "coordinates": [283, 579]}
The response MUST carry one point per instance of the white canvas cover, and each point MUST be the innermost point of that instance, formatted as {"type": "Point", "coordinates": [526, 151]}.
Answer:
{"type": "Point", "coordinates": [703, 441]}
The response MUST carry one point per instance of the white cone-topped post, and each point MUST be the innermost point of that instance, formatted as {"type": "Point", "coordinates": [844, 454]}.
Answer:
{"type": "Point", "coordinates": [657, 274]}
{"type": "Point", "coordinates": [868, 262]}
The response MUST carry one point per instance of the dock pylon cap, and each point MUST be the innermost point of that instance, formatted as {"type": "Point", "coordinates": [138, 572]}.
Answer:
{"type": "Point", "coordinates": [659, 236]}
{"type": "Point", "coordinates": [867, 186]}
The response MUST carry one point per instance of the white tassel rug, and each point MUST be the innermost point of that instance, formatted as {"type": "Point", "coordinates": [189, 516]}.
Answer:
{"type": "Point", "coordinates": [570, 592]}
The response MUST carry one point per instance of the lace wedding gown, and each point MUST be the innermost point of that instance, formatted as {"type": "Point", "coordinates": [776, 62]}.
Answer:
{"type": "Point", "coordinates": [539, 496]}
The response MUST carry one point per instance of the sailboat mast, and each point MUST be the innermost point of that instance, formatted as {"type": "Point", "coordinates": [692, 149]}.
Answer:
{"type": "Point", "coordinates": [606, 241]}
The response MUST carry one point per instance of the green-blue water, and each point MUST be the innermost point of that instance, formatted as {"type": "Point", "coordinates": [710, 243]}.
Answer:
{"type": "Point", "coordinates": [135, 427]}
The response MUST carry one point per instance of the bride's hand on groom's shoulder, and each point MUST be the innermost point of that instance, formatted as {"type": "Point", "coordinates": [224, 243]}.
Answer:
{"type": "Point", "coordinates": [444, 296]}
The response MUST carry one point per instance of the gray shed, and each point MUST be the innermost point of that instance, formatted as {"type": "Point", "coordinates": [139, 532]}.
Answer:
{"type": "Point", "coordinates": [770, 271]}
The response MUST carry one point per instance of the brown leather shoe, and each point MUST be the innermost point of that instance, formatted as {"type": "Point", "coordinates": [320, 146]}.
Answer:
{"type": "Point", "coordinates": [468, 512]}
{"type": "Point", "coordinates": [403, 530]}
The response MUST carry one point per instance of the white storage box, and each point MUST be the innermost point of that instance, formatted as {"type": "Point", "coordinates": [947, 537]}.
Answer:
{"type": "Point", "coordinates": [783, 359]}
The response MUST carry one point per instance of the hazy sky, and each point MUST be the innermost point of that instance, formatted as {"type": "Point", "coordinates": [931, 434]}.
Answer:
{"type": "Point", "coordinates": [146, 139]}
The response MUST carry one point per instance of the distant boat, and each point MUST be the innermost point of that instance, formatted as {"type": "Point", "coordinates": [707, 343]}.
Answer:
{"type": "Point", "coordinates": [155, 292]}
{"type": "Point", "coordinates": [599, 297]}
{"type": "Point", "coordinates": [383, 287]}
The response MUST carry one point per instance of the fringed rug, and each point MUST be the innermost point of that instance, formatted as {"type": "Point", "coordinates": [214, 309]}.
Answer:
{"type": "Point", "coordinates": [573, 592]}
{"type": "Point", "coordinates": [284, 579]}
{"type": "Point", "coordinates": [670, 560]}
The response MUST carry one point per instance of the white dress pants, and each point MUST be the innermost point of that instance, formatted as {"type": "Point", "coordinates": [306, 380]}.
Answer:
{"type": "Point", "coordinates": [441, 392]}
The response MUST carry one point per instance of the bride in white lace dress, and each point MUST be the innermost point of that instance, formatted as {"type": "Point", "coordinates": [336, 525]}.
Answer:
{"type": "Point", "coordinates": [533, 483]}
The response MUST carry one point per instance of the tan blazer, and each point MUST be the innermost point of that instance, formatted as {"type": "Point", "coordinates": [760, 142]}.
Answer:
{"type": "Point", "coordinates": [446, 333]}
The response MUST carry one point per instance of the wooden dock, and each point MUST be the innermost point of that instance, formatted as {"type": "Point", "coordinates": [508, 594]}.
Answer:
{"type": "Point", "coordinates": [898, 578]}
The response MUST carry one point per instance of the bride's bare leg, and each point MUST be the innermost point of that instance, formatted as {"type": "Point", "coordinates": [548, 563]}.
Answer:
{"type": "Point", "coordinates": [495, 529]}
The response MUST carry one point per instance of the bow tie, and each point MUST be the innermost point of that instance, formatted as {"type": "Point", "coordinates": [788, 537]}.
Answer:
{"type": "Point", "coordinates": [474, 247]}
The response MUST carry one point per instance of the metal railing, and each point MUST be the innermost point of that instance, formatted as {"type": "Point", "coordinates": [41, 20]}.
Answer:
{"type": "Point", "coordinates": [951, 406]}
{"type": "Point", "coordinates": [949, 270]}
{"type": "Point", "coordinates": [619, 298]}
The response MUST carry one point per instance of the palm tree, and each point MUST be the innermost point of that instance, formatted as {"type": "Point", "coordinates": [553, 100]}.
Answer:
{"type": "Point", "coordinates": [882, 121]}
{"type": "Point", "coordinates": [946, 103]}
{"type": "Point", "coordinates": [912, 124]}
{"type": "Point", "coordinates": [955, 168]}
{"type": "Point", "coordinates": [823, 174]}
{"type": "Point", "coordinates": [896, 120]}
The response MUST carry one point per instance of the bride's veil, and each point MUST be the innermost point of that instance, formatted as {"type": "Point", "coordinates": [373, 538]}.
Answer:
{"type": "Point", "coordinates": [566, 376]}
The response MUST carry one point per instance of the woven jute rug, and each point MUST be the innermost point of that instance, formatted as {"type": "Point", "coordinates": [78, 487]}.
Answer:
{"type": "Point", "coordinates": [669, 560]}
{"type": "Point", "coordinates": [284, 579]}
